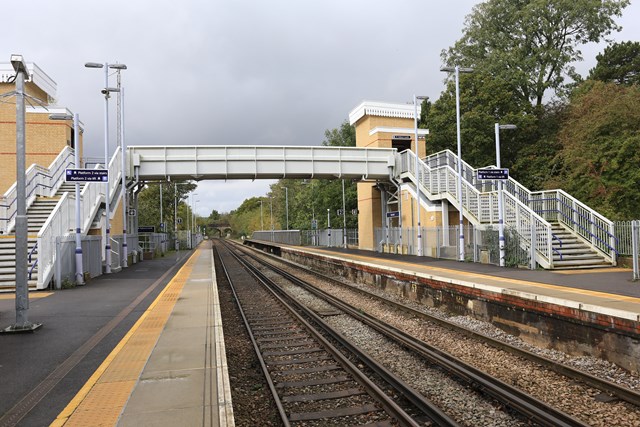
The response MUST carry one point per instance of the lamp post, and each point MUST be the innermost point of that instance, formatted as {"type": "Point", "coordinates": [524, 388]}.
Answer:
{"type": "Point", "coordinates": [417, 173]}
{"type": "Point", "coordinates": [286, 203]}
{"type": "Point", "coordinates": [501, 242]}
{"type": "Point", "coordinates": [106, 92]}
{"type": "Point", "coordinates": [457, 70]}
{"type": "Point", "coordinates": [78, 208]}
{"type": "Point", "coordinates": [22, 249]}
{"type": "Point", "coordinates": [175, 216]}
{"type": "Point", "coordinates": [123, 183]}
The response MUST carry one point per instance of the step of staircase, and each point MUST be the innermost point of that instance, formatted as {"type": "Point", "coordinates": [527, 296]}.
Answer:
{"type": "Point", "coordinates": [570, 252]}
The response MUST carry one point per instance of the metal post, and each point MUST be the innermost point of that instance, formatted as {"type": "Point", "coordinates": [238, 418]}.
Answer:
{"type": "Point", "coordinates": [107, 247]}
{"type": "Point", "coordinates": [344, 218]}
{"type": "Point", "coordinates": [125, 214]}
{"type": "Point", "coordinates": [261, 218]}
{"type": "Point", "coordinates": [635, 236]}
{"type": "Point", "coordinates": [457, 74]}
{"type": "Point", "coordinates": [175, 215]}
{"type": "Point", "coordinates": [500, 202]}
{"type": "Point", "coordinates": [286, 202]}
{"type": "Point", "coordinates": [271, 216]}
{"type": "Point", "coordinates": [22, 286]}
{"type": "Point", "coordinates": [328, 227]}
{"type": "Point", "coordinates": [161, 223]}
{"type": "Point", "coordinates": [532, 261]}
{"type": "Point", "coordinates": [417, 173]}
{"type": "Point", "coordinates": [79, 266]}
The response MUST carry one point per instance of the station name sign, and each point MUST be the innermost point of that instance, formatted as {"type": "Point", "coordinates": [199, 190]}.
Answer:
{"type": "Point", "coordinates": [86, 175]}
{"type": "Point", "coordinates": [493, 174]}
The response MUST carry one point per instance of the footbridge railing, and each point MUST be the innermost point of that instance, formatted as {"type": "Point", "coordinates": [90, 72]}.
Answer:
{"type": "Point", "coordinates": [552, 205]}
{"type": "Point", "coordinates": [440, 182]}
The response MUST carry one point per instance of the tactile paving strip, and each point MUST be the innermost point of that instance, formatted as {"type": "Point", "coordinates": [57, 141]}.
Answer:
{"type": "Point", "coordinates": [101, 401]}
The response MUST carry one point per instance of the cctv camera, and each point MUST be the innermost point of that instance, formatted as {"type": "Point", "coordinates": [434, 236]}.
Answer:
{"type": "Point", "coordinates": [104, 91]}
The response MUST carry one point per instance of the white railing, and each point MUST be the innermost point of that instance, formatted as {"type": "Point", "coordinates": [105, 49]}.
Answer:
{"type": "Point", "coordinates": [440, 182]}
{"type": "Point", "coordinates": [40, 181]}
{"type": "Point", "coordinates": [552, 205]}
{"type": "Point", "coordinates": [61, 221]}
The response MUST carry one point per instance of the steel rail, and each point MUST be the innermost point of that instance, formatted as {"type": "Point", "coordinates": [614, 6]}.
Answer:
{"type": "Point", "coordinates": [525, 404]}
{"type": "Point", "coordinates": [372, 389]}
{"type": "Point", "coordinates": [621, 392]}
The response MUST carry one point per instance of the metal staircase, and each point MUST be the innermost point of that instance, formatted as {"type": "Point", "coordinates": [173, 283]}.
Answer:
{"type": "Point", "coordinates": [564, 232]}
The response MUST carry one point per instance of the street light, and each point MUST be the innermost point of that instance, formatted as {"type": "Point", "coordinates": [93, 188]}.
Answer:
{"type": "Point", "coordinates": [120, 116]}
{"type": "Point", "coordinates": [501, 242]}
{"type": "Point", "coordinates": [106, 92]}
{"type": "Point", "coordinates": [328, 227]}
{"type": "Point", "coordinates": [457, 70]}
{"type": "Point", "coordinates": [76, 137]}
{"type": "Point", "coordinates": [417, 173]}
{"type": "Point", "coordinates": [22, 250]}
{"type": "Point", "coordinates": [344, 218]}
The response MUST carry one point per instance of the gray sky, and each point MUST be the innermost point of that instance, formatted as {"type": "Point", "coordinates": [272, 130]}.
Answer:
{"type": "Point", "coordinates": [241, 72]}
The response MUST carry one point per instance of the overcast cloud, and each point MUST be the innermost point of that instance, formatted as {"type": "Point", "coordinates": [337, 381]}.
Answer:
{"type": "Point", "coordinates": [241, 72]}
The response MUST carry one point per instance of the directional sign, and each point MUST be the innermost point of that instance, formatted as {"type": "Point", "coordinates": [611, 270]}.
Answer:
{"type": "Point", "coordinates": [493, 174]}
{"type": "Point", "coordinates": [146, 229]}
{"type": "Point", "coordinates": [132, 212]}
{"type": "Point", "coordinates": [86, 175]}
{"type": "Point", "coordinates": [393, 214]}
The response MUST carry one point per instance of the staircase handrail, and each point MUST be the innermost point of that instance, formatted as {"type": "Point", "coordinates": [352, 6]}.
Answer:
{"type": "Point", "coordinates": [61, 221]}
{"type": "Point", "coordinates": [590, 225]}
{"type": "Point", "coordinates": [479, 206]}
{"type": "Point", "coordinates": [39, 181]}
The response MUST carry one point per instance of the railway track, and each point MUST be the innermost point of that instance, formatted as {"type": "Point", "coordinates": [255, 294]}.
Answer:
{"type": "Point", "coordinates": [526, 406]}
{"type": "Point", "coordinates": [311, 381]}
{"type": "Point", "coordinates": [607, 387]}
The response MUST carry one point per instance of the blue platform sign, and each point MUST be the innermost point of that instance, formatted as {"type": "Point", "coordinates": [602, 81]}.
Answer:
{"type": "Point", "coordinates": [86, 175]}
{"type": "Point", "coordinates": [393, 214]}
{"type": "Point", "coordinates": [493, 174]}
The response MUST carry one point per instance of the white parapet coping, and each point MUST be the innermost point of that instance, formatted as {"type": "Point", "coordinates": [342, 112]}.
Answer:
{"type": "Point", "coordinates": [259, 162]}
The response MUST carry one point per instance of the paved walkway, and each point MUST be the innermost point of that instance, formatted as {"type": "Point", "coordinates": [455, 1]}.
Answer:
{"type": "Point", "coordinates": [170, 368]}
{"type": "Point", "coordinates": [607, 290]}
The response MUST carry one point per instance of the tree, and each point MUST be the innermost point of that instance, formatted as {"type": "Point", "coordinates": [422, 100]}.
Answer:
{"type": "Point", "coordinates": [600, 155]}
{"type": "Point", "coordinates": [532, 43]}
{"type": "Point", "coordinates": [619, 63]}
{"type": "Point", "coordinates": [484, 101]}
{"type": "Point", "coordinates": [149, 204]}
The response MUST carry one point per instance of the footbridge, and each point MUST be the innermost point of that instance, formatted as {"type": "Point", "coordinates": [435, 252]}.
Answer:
{"type": "Point", "coordinates": [178, 163]}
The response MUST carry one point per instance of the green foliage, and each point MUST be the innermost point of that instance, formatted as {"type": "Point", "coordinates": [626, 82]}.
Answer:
{"type": "Point", "coordinates": [484, 101]}
{"type": "Point", "coordinates": [531, 43]}
{"type": "Point", "coordinates": [149, 204]}
{"type": "Point", "coordinates": [619, 63]}
{"type": "Point", "coordinates": [600, 153]}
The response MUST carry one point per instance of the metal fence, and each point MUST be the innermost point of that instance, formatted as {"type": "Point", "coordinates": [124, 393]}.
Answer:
{"type": "Point", "coordinates": [65, 264]}
{"type": "Point", "coordinates": [481, 245]}
{"type": "Point", "coordinates": [333, 237]}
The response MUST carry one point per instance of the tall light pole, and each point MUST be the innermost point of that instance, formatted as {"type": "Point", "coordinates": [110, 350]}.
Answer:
{"type": "Point", "coordinates": [78, 208]}
{"type": "Point", "coordinates": [22, 249]}
{"type": "Point", "coordinates": [286, 203]}
{"type": "Point", "coordinates": [417, 172]}
{"type": "Point", "coordinates": [175, 216]}
{"type": "Point", "coordinates": [125, 214]}
{"type": "Point", "coordinates": [457, 70]}
{"type": "Point", "coordinates": [501, 242]}
{"type": "Point", "coordinates": [106, 92]}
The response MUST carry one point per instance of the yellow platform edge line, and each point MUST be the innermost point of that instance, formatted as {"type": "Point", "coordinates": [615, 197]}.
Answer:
{"type": "Point", "coordinates": [71, 407]}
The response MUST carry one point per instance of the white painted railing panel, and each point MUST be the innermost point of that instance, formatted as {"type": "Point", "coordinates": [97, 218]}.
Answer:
{"type": "Point", "coordinates": [259, 162]}
{"type": "Point", "coordinates": [40, 181]}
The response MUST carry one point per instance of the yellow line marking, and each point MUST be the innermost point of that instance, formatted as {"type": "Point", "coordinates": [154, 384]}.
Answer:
{"type": "Point", "coordinates": [32, 295]}
{"type": "Point", "coordinates": [101, 400]}
{"type": "Point", "coordinates": [488, 278]}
